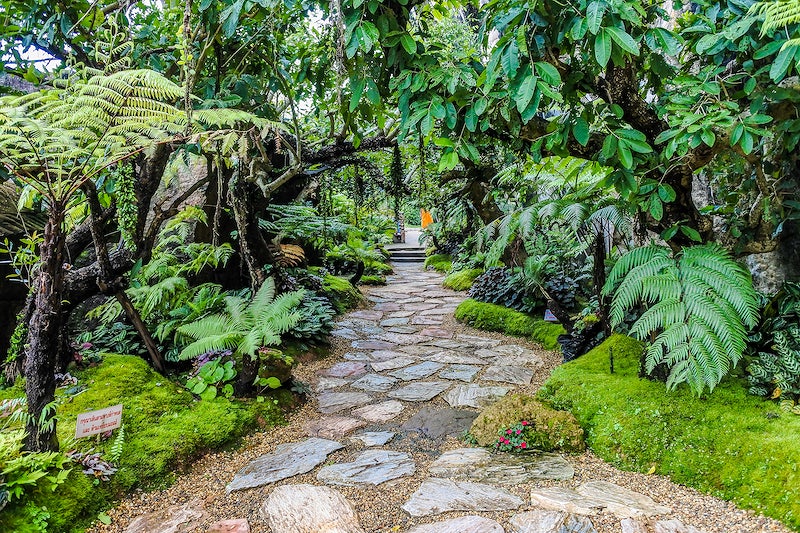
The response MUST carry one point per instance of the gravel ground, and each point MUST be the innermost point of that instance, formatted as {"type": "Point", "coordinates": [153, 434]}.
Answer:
{"type": "Point", "coordinates": [378, 508]}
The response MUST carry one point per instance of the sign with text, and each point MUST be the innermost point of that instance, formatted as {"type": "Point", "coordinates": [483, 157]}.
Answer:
{"type": "Point", "coordinates": [549, 316]}
{"type": "Point", "coordinates": [100, 421]}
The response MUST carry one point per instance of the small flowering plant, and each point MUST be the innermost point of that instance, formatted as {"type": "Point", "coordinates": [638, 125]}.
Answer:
{"type": "Point", "coordinates": [513, 438]}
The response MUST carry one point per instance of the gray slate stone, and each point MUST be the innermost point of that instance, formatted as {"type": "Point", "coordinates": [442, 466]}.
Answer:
{"type": "Point", "coordinates": [453, 357]}
{"type": "Point", "coordinates": [374, 383]}
{"type": "Point", "coordinates": [550, 522]}
{"type": "Point", "coordinates": [460, 372]}
{"type": "Point", "coordinates": [345, 369]}
{"type": "Point", "coordinates": [333, 402]}
{"type": "Point", "coordinates": [420, 391]}
{"type": "Point", "coordinates": [436, 423]}
{"type": "Point", "coordinates": [380, 412]}
{"type": "Point", "coordinates": [594, 496]}
{"type": "Point", "coordinates": [374, 438]}
{"type": "Point", "coordinates": [396, 321]}
{"type": "Point", "coordinates": [464, 524]}
{"type": "Point", "coordinates": [371, 467]}
{"type": "Point", "coordinates": [442, 495]}
{"type": "Point", "coordinates": [518, 375]}
{"type": "Point", "coordinates": [286, 461]}
{"type": "Point", "coordinates": [174, 519]}
{"type": "Point", "coordinates": [371, 344]}
{"type": "Point", "coordinates": [333, 426]}
{"type": "Point", "coordinates": [479, 464]}
{"type": "Point", "coordinates": [309, 509]}
{"type": "Point", "coordinates": [345, 333]}
{"type": "Point", "coordinates": [473, 395]}
{"type": "Point", "coordinates": [397, 362]}
{"type": "Point", "coordinates": [329, 383]}
{"type": "Point", "coordinates": [418, 371]}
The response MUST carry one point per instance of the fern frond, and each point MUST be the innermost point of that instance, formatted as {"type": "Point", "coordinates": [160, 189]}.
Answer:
{"type": "Point", "coordinates": [211, 343]}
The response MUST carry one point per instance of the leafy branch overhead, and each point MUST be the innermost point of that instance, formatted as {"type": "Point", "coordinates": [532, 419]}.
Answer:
{"type": "Point", "coordinates": [698, 303]}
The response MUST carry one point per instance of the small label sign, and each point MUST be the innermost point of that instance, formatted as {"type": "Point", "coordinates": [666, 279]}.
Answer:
{"type": "Point", "coordinates": [549, 316]}
{"type": "Point", "coordinates": [100, 421]}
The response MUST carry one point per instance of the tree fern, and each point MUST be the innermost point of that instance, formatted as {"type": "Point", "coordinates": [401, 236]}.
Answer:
{"type": "Point", "coordinates": [244, 327]}
{"type": "Point", "coordinates": [700, 305]}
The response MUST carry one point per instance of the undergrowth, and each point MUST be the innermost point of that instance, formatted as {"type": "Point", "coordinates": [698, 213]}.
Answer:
{"type": "Point", "coordinates": [439, 262]}
{"type": "Point", "coordinates": [492, 317]}
{"type": "Point", "coordinates": [462, 279]}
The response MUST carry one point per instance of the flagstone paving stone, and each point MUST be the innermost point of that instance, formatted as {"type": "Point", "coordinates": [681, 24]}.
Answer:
{"type": "Point", "coordinates": [539, 521]}
{"type": "Point", "coordinates": [309, 509]}
{"type": "Point", "coordinates": [332, 427]}
{"type": "Point", "coordinates": [518, 375]}
{"type": "Point", "coordinates": [420, 391]}
{"type": "Point", "coordinates": [418, 371]}
{"type": "Point", "coordinates": [374, 383]}
{"type": "Point", "coordinates": [436, 496]}
{"type": "Point", "coordinates": [380, 412]}
{"type": "Point", "coordinates": [374, 438]}
{"type": "Point", "coordinates": [371, 467]}
{"type": "Point", "coordinates": [436, 423]}
{"type": "Point", "coordinates": [463, 524]}
{"type": "Point", "coordinates": [460, 372]}
{"type": "Point", "coordinates": [473, 395]}
{"type": "Point", "coordinates": [333, 402]}
{"type": "Point", "coordinates": [479, 464]}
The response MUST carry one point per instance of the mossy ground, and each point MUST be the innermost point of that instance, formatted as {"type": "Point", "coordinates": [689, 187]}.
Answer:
{"type": "Point", "coordinates": [727, 443]}
{"type": "Point", "coordinates": [165, 428]}
{"type": "Point", "coordinates": [494, 317]}
{"type": "Point", "coordinates": [439, 262]}
{"type": "Point", "coordinates": [372, 280]}
{"type": "Point", "coordinates": [461, 280]}
{"type": "Point", "coordinates": [342, 293]}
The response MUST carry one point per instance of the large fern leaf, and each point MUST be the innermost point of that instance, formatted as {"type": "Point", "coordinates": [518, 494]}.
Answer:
{"type": "Point", "coordinates": [701, 304]}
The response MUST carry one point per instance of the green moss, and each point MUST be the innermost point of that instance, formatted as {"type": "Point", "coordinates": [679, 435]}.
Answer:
{"type": "Point", "coordinates": [341, 292]}
{"type": "Point", "coordinates": [549, 429]}
{"type": "Point", "coordinates": [726, 443]}
{"type": "Point", "coordinates": [494, 317]}
{"type": "Point", "coordinates": [462, 280]}
{"type": "Point", "coordinates": [372, 280]}
{"type": "Point", "coordinates": [439, 262]}
{"type": "Point", "coordinates": [165, 428]}
{"type": "Point", "coordinates": [377, 267]}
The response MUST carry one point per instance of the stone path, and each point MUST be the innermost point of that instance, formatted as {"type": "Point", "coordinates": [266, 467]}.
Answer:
{"type": "Point", "coordinates": [379, 447]}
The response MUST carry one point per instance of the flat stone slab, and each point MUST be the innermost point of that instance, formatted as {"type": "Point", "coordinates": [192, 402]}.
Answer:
{"type": "Point", "coordinates": [372, 344]}
{"type": "Point", "coordinates": [333, 402]}
{"type": "Point", "coordinates": [366, 314]}
{"type": "Point", "coordinates": [418, 371]}
{"type": "Point", "coordinates": [433, 320]}
{"type": "Point", "coordinates": [380, 412]}
{"type": "Point", "coordinates": [478, 342]}
{"type": "Point", "coordinates": [385, 355]}
{"type": "Point", "coordinates": [436, 423]}
{"type": "Point", "coordinates": [325, 383]}
{"type": "Point", "coordinates": [371, 467]}
{"type": "Point", "coordinates": [374, 438]}
{"type": "Point", "coordinates": [464, 524]}
{"type": "Point", "coordinates": [309, 509]}
{"type": "Point", "coordinates": [629, 525]}
{"type": "Point", "coordinates": [518, 375]}
{"type": "Point", "coordinates": [236, 525]}
{"type": "Point", "coordinates": [550, 522]}
{"type": "Point", "coordinates": [345, 369]}
{"type": "Point", "coordinates": [473, 395]}
{"type": "Point", "coordinates": [460, 372]}
{"type": "Point", "coordinates": [594, 496]}
{"type": "Point", "coordinates": [437, 496]}
{"type": "Point", "coordinates": [374, 383]}
{"type": "Point", "coordinates": [397, 362]}
{"type": "Point", "coordinates": [440, 333]}
{"type": "Point", "coordinates": [345, 333]}
{"type": "Point", "coordinates": [454, 357]}
{"type": "Point", "coordinates": [420, 391]}
{"type": "Point", "coordinates": [400, 314]}
{"type": "Point", "coordinates": [333, 427]}
{"type": "Point", "coordinates": [511, 354]}
{"type": "Point", "coordinates": [406, 330]}
{"type": "Point", "coordinates": [356, 356]}
{"type": "Point", "coordinates": [479, 464]}
{"type": "Point", "coordinates": [175, 519]}
{"type": "Point", "coordinates": [286, 461]}
{"type": "Point", "coordinates": [396, 321]}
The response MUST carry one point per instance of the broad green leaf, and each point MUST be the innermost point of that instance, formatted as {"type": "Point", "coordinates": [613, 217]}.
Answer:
{"type": "Point", "coordinates": [409, 44]}
{"type": "Point", "coordinates": [525, 93]}
{"type": "Point", "coordinates": [780, 67]}
{"type": "Point", "coordinates": [230, 17]}
{"type": "Point", "coordinates": [624, 40]}
{"type": "Point", "coordinates": [602, 47]}
{"type": "Point", "coordinates": [580, 130]}
{"type": "Point", "coordinates": [471, 119]}
{"type": "Point", "coordinates": [708, 136]}
{"type": "Point", "coordinates": [510, 59]}
{"type": "Point", "coordinates": [358, 88]}
{"type": "Point", "coordinates": [609, 147]}
{"type": "Point", "coordinates": [656, 208]}
{"type": "Point", "coordinates": [548, 72]}
{"type": "Point", "coordinates": [747, 142]}
{"type": "Point", "coordinates": [691, 233]}
{"type": "Point", "coordinates": [707, 42]}
{"type": "Point", "coordinates": [737, 133]}
{"type": "Point", "coordinates": [666, 192]}
{"type": "Point", "coordinates": [594, 16]}
{"type": "Point", "coordinates": [624, 154]}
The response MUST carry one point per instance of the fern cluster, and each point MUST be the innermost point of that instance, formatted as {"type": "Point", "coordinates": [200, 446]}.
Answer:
{"type": "Point", "coordinates": [699, 306]}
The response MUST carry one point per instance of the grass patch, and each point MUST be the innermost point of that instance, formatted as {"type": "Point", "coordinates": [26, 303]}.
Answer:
{"type": "Point", "coordinates": [165, 429]}
{"type": "Point", "coordinates": [494, 317]}
{"type": "Point", "coordinates": [461, 280]}
{"type": "Point", "coordinates": [727, 443]}
{"type": "Point", "coordinates": [342, 294]}
{"type": "Point", "coordinates": [439, 262]}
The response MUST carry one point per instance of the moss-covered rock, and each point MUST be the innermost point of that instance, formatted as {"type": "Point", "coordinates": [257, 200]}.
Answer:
{"type": "Point", "coordinates": [546, 430]}
{"type": "Point", "coordinates": [439, 262]}
{"type": "Point", "coordinates": [727, 443]}
{"type": "Point", "coordinates": [372, 280]}
{"type": "Point", "coordinates": [492, 317]}
{"type": "Point", "coordinates": [462, 279]}
{"type": "Point", "coordinates": [342, 294]}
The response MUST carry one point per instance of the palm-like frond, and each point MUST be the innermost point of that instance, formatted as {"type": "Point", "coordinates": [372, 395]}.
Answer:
{"type": "Point", "coordinates": [702, 303]}
{"type": "Point", "coordinates": [777, 13]}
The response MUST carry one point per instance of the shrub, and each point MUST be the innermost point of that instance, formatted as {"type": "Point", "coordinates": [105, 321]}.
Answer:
{"type": "Point", "coordinates": [316, 319]}
{"type": "Point", "coordinates": [439, 262]}
{"type": "Point", "coordinates": [727, 443]}
{"type": "Point", "coordinates": [499, 286]}
{"type": "Point", "coordinates": [493, 317]}
{"type": "Point", "coordinates": [461, 280]}
{"type": "Point", "coordinates": [545, 429]}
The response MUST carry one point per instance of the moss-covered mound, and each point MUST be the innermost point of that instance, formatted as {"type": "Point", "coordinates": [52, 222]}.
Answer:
{"type": "Point", "coordinates": [461, 280]}
{"type": "Point", "coordinates": [439, 262]}
{"type": "Point", "coordinates": [546, 429]}
{"type": "Point", "coordinates": [165, 428]}
{"type": "Point", "coordinates": [726, 443]}
{"type": "Point", "coordinates": [342, 294]}
{"type": "Point", "coordinates": [372, 280]}
{"type": "Point", "coordinates": [492, 317]}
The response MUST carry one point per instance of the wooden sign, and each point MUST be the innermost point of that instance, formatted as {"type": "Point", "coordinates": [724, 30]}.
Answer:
{"type": "Point", "coordinates": [549, 316]}
{"type": "Point", "coordinates": [100, 421]}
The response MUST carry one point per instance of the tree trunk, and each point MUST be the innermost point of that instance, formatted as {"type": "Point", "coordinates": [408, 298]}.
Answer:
{"type": "Point", "coordinates": [43, 334]}
{"type": "Point", "coordinates": [599, 276]}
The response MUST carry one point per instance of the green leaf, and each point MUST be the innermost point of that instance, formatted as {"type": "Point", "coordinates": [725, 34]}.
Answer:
{"type": "Point", "coordinates": [609, 147]}
{"type": "Point", "coordinates": [624, 40]}
{"type": "Point", "coordinates": [199, 388]}
{"type": "Point", "coordinates": [737, 133]}
{"type": "Point", "coordinates": [580, 130]}
{"type": "Point", "coordinates": [780, 67]}
{"type": "Point", "coordinates": [409, 44]}
{"type": "Point", "coordinates": [104, 518]}
{"type": "Point", "coordinates": [624, 154]}
{"type": "Point", "coordinates": [602, 47]}
{"type": "Point", "coordinates": [548, 72]}
{"type": "Point", "coordinates": [747, 142]}
{"type": "Point", "coordinates": [230, 17]}
{"type": "Point", "coordinates": [656, 208]}
{"type": "Point", "coordinates": [666, 192]}
{"type": "Point", "coordinates": [708, 136]}
{"type": "Point", "coordinates": [510, 59]}
{"type": "Point", "coordinates": [665, 136]}
{"type": "Point", "coordinates": [691, 233]}
{"type": "Point", "coordinates": [448, 161]}
{"type": "Point", "coordinates": [594, 16]}
{"type": "Point", "coordinates": [525, 93]}
{"type": "Point", "coordinates": [358, 88]}
{"type": "Point", "coordinates": [210, 393]}
{"type": "Point", "coordinates": [471, 119]}
{"type": "Point", "coordinates": [669, 233]}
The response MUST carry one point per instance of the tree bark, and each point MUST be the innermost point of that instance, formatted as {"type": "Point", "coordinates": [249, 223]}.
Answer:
{"type": "Point", "coordinates": [43, 334]}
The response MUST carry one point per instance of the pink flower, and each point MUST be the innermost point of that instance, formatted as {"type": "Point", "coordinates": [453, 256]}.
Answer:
{"type": "Point", "coordinates": [524, 422]}
{"type": "Point", "coordinates": [519, 431]}
{"type": "Point", "coordinates": [523, 444]}
{"type": "Point", "coordinates": [508, 432]}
